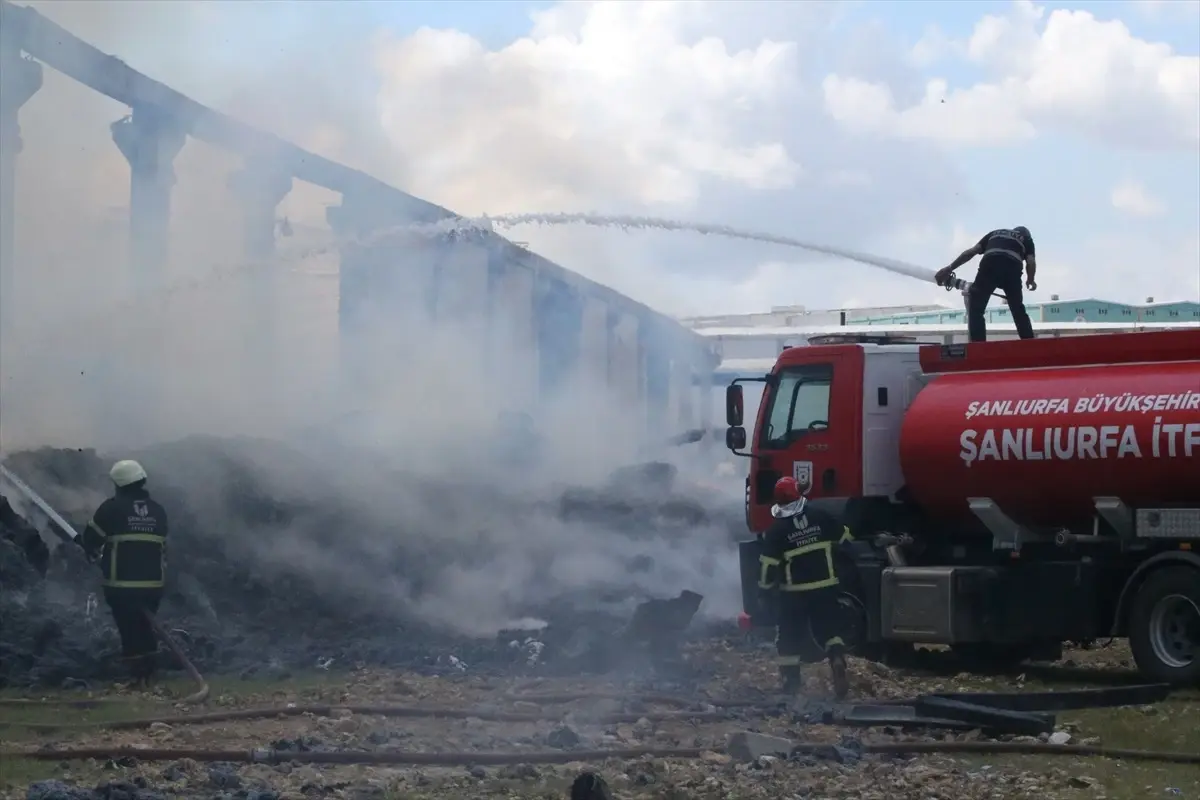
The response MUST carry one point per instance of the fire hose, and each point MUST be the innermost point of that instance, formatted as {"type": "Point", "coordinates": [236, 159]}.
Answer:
{"type": "Point", "coordinates": [404, 757]}
{"type": "Point", "coordinates": [403, 712]}
{"type": "Point", "coordinates": [68, 533]}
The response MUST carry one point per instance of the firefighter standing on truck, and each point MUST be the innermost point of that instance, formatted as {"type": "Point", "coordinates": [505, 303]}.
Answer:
{"type": "Point", "coordinates": [128, 533]}
{"type": "Point", "coordinates": [1005, 252]}
{"type": "Point", "coordinates": [797, 558]}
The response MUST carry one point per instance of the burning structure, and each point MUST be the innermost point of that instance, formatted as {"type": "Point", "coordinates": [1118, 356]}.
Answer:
{"type": "Point", "coordinates": [346, 537]}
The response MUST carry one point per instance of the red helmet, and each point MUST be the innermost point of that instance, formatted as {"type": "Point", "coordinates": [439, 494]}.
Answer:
{"type": "Point", "coordinates": [787, 491]}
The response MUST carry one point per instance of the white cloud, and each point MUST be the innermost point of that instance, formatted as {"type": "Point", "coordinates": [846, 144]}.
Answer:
{"type": "Point", "coordinates": [615, 102]}
{"type": "Point", "coordinates": [1133, 198]}
{"type": "Point", "coordinates": [1064, 70]}
{"type": "Point", "coordinates": [708, 111]}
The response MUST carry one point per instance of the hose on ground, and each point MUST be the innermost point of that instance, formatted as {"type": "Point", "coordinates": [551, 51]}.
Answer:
{"type": "Point", "coordinates": [167, 639]}
{"type": "Point", "coordinates": [660, 699]}
{"type": "Point", "coordinates": [539, 698]}
{"type": "Point", "coordinates": [31, 702]}
{"type": "Point", "coordinates": [402, 757]}
{"type": "Point", "coordinates": [488, 715]}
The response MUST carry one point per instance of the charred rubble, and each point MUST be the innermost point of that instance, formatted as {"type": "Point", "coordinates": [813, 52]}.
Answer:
{"type": "Point", "coordinates": [274, 567]}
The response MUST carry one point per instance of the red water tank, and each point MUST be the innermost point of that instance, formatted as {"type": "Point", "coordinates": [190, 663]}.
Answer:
{"type": "Point", "coordinates": [1043, 442]}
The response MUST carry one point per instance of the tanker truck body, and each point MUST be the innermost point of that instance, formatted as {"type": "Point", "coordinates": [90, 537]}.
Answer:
{"type": "Point", "coordinates": [1004, 497]}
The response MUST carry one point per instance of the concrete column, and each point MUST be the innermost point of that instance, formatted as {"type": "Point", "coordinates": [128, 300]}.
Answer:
{"type": "Point", "coordinates": [353, 292]}
{"type": "Point", "coordinates": [612, 324]}
{"type": "Point", "coordinates": [558, 319]}
{"type": "Point", "coordinates": [497, 269]}
{"type": "Point", "coordinates": [463, 275]}
{"type": "Point", "coordinates": [656, 366]}
{"type": "Point", "coordinates": [149, 140]}
{"type": "Point", "coordinates": [514, 334]}
{"type": "Point", "coordinates": [593, 338]}
{"type": "Point", "coordinates": [684, 390]}
{"type": "Point", "coordinates": [259, 191]}
{"type": "Point", "coordinates": [20, 79]}
{"type": "Point", "coordinates": [623, 357]}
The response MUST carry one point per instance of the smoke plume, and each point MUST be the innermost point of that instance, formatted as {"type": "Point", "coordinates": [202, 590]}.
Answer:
{"type": "Point", "coordinates": [385, 462]}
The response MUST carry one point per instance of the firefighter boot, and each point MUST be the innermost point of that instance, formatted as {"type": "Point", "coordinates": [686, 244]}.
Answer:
{"type": "Point", "coordinates": [143, 668]}
{"type": "Point", "coordinates": [841, 678]}
{"type": "Point", "coordinates": [793, 679]}
{"type": "Point", "coordinates": [129, 670]}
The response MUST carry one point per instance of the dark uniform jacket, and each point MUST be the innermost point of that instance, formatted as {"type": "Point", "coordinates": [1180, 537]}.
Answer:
{"type": "Point", "coordinates": [129, 532]}
{"type": "Point", "coordinates": [1010, 244]}
{"type": "Point", "coordinates": [797, 552]}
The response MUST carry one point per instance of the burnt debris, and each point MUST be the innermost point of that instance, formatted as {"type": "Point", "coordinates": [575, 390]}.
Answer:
{"type": "Point", "coordinates": [274, 566]}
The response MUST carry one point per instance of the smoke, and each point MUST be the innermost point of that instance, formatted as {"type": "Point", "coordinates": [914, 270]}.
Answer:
{"type": "Point", "coordinates": [383, 452]}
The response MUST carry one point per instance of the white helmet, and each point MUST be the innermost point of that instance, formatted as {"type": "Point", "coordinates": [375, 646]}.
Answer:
{"type": "Point", "coordinates": [124, 473]}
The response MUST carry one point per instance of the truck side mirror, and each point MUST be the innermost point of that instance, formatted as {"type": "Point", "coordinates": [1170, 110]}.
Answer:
{"type": "Point", "coordinates": [734, 406]}
{"type": "Point", "coordinates": [735, 438]}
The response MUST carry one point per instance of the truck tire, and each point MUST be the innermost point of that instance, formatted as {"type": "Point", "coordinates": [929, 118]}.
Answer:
{"type": "Point", "coordinates": [1164, 626]}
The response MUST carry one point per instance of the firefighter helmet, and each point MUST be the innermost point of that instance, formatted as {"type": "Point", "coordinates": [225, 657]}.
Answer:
{"type": "Point", "coordinates": [787, 490]}
{"type": "Point", "coordinates": [127, 472]}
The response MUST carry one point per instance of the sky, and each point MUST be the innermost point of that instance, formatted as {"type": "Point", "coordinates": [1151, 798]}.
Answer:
{"type": "Point", "coordinates": [904, 129]}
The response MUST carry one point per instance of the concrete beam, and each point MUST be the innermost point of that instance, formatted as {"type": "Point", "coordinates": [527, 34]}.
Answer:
{"type": "Point", "coordinates": [20, 79]}
{"type": "Point", "coordinates": [149, 141]}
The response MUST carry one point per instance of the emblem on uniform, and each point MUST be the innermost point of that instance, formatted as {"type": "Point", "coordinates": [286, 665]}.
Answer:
{"type": "Point", "coordinates": [140, 508]}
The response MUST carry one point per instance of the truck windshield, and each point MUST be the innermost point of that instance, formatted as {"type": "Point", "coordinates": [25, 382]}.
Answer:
{"type": "Point", "coordinates": [799, 404]}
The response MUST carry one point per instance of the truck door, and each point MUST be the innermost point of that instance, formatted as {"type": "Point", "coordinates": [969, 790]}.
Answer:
{"type": "Point", "coordinates": [809, 428]}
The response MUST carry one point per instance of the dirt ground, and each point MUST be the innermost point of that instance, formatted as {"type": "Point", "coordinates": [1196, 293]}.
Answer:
{"type": "Point", "coordinates": [571, 724]}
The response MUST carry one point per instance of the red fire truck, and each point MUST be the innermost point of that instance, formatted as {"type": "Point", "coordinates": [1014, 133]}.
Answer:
{"type": "Point", "coordinates": [1004, 497]}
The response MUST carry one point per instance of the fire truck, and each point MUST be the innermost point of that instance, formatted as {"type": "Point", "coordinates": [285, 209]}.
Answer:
{"type": "Point", "coordinates": [1003, 497]}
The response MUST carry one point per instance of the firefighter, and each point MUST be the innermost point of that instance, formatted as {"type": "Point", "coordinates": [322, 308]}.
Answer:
{"type": "Point", "coordinates": [797, 559]}
{"type": "Point", "coordinates": [128, 533]}
{"type": "Point", "coordinates": [1004, 253]}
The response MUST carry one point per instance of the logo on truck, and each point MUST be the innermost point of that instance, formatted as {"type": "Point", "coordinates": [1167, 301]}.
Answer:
{"type": "Point", "coordinates": [802, 471]}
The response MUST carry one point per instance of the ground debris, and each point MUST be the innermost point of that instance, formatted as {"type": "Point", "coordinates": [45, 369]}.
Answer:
{"type": "Point", "coordinates": [334, 600]}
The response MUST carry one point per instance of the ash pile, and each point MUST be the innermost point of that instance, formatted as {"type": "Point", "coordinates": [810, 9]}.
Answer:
{"type": "Point", "coordinates": [279, 562]}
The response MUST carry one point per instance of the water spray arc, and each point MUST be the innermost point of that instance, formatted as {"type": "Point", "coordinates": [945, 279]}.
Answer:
{"type": "Point", "coordinates": [704, 229]}
{"type": "Point", "coordinates": [892, 265]}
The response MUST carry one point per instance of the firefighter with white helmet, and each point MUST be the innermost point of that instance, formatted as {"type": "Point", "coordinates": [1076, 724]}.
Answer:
{"type": "Point", "coordinates": [128, 533]}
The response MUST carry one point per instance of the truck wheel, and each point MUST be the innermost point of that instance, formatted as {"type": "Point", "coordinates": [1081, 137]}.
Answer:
{"type": "Point", "coordinates": [1164, 626]}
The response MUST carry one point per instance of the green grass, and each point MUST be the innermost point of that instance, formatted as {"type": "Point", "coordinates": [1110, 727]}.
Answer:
{"type": "Point", "coordinates": [15, 774]}
{"type": "Point", "coordinates": [1170, 726]}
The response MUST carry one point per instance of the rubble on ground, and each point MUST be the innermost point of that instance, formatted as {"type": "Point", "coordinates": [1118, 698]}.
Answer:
{"type": "Point", "coordinates": [745, 754]}
{"type": "Point", "coordinates": [279, 561]}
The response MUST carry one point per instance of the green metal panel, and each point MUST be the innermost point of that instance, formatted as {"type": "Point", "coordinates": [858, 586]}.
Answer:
{"type": "Point", "coordinates": [1172, 312]}
{"type": "Point", "coordinates": [1086, 310]}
